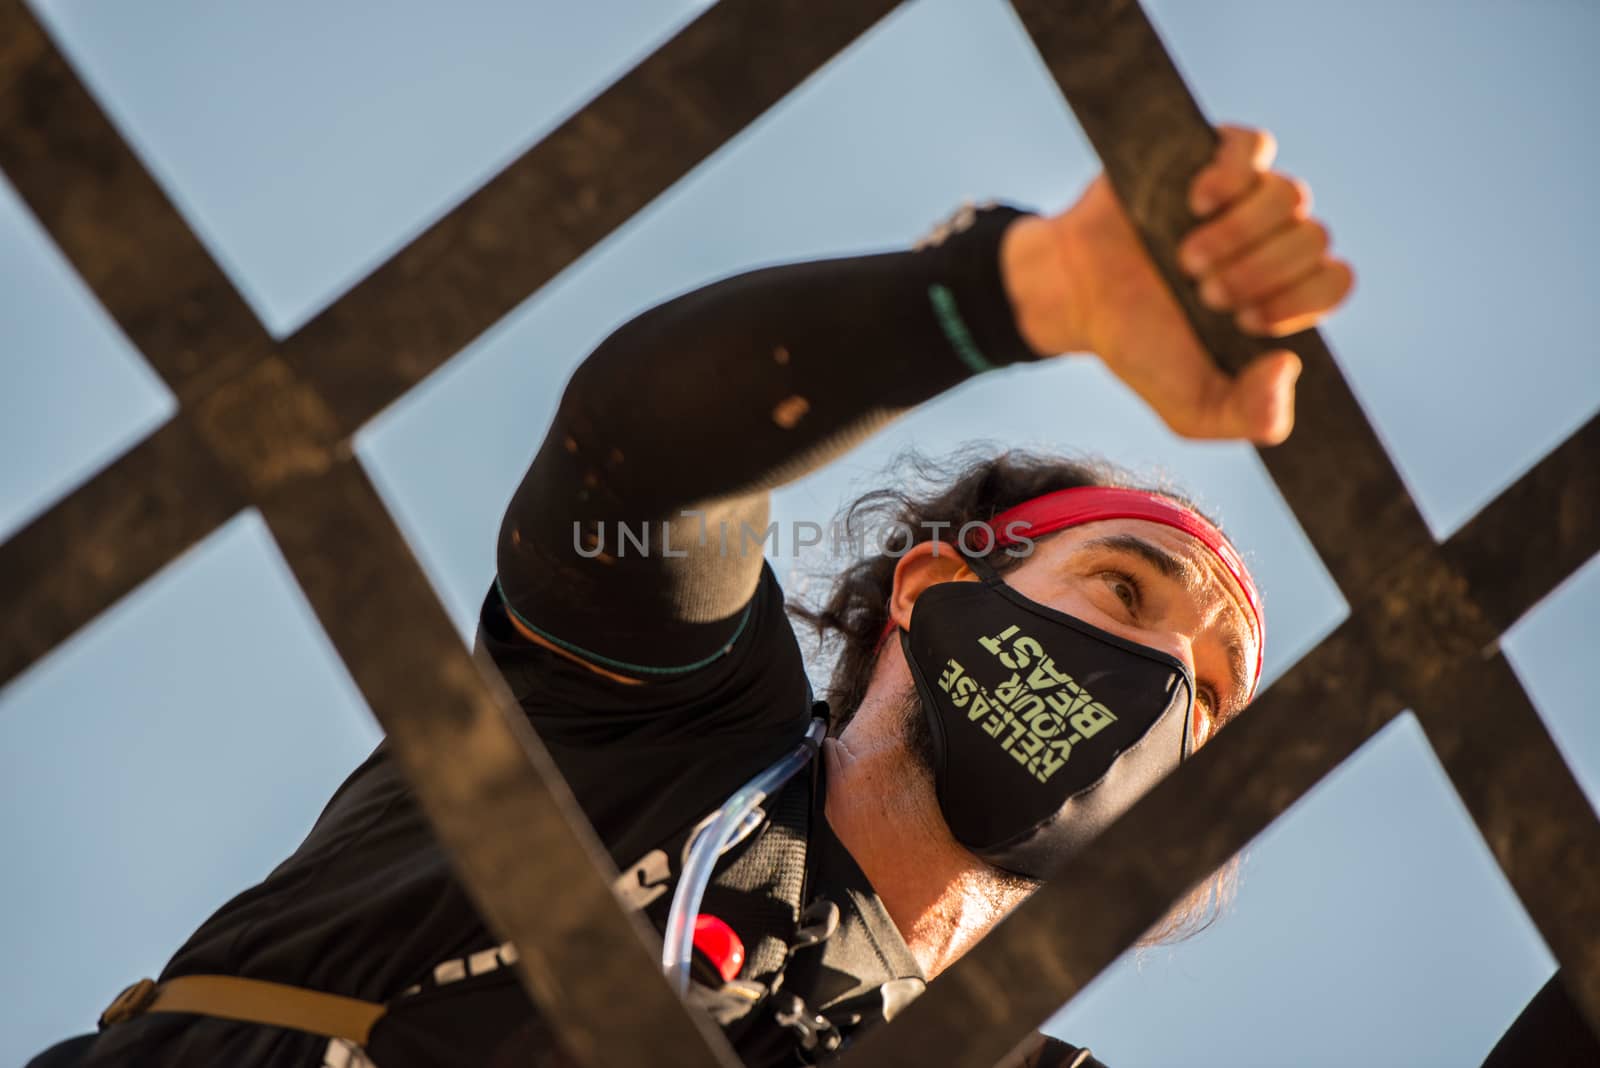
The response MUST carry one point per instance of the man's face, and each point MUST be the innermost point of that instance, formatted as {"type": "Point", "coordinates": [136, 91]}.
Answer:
{"type": "Point", "coordinates": [1146, 582]}
{"type": "Point", "coordinates": [1142, 581]}
{"type": "Point", "coordinates": [1159, 587]}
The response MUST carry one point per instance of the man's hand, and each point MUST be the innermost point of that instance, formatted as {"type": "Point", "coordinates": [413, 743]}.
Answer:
{"type": "Point", "coordinates": [1082, 281]}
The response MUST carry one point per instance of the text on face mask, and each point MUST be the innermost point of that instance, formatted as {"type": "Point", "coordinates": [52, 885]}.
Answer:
{"type": "Point", "coordinates": [1038, 714]}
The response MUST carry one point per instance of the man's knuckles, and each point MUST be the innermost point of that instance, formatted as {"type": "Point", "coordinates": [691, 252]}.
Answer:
{"type": "Point", "coordinates": [1245, 148]}
{"type": "Point", "coordinates": [1242, 155]}
{"type": "Point", "coordinates": [1279, 261]}
{"type": "Point", "coordinates": [1303, 304]}
{"type": "Point", "coordinates": [1276, 199]}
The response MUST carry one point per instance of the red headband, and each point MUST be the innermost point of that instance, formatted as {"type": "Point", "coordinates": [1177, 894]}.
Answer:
{"type": "Point", "coordinates": [1087, 504]}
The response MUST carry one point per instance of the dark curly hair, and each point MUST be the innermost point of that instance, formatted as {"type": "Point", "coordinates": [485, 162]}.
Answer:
{"type": "Point", "coordinates": [970, 486]}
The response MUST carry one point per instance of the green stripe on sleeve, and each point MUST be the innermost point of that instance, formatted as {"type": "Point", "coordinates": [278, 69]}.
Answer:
{"type": "Point", "coordinates": [955, 329]}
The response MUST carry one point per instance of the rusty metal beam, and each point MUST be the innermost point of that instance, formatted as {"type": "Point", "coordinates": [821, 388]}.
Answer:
{"type": "Point", "coordinates": [271, 426]}
{"type": "Point", "coordinates": [1530, 810]}
{"type": "Point", "coordinates": [98, 544]}
{"type": "Point", "coordinates": [136, 253]}
{"type": "Point", "coordinates": [1440, 649]}
{"type": "Point", "coordinates": [519, 841]}
{"type": "Point", "coordinates": [274, 428]}
{"type": "Point", "coordinates": [1152, 138]}
{"type": "Point", "coordinates": [111, 219]}
{"type": "Point", "coordinates": [1125, 880]}
{"type": "Point", "coordinates": [1426, 620]}
{"type": "Point", "coordinates": [1418, 634]}
{"type": "Point", "coordinates": [1419, 645]}
{"type": "Point", "coordinates": [1548, 522]}
{"type": "Point", "coordinates": [1431, 612]}
{"type": "Point", "coordinates": [587, 177]}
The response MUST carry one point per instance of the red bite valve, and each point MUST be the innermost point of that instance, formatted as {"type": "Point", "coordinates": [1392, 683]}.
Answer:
{"type": "Point", "coordinates": [722, 948]}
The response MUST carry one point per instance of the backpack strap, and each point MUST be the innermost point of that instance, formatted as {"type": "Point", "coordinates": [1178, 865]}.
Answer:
{"type": "Point", "coordinates": [229, 997]}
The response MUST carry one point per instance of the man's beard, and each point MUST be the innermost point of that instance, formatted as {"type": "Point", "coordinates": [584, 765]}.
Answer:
{"type": "Point", "coordinates": [916, 734]}
{"type": "Point", "coordinates": [917, 737]}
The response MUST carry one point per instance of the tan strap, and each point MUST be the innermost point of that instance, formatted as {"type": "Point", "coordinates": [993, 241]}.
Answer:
{"type": "Point", "coordinates": [229, 997]}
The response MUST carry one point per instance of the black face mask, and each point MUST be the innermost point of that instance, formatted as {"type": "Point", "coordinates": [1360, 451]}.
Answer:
{"type": "Point", "coordinates": [1045, 728]}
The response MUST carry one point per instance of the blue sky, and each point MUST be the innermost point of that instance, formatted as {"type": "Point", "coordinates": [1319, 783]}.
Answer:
{"type": "Point", "coordinates": [159, 762]}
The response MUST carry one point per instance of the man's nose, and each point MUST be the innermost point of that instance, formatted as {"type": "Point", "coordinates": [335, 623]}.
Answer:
{"type": "Point", "coordinates": [1178, 644]}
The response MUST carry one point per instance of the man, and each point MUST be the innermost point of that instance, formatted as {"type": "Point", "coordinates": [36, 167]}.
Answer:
{"type": "Point", "coordinates": [1027, 658]}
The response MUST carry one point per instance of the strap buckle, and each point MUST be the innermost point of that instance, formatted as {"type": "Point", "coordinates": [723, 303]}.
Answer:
{"type": "Point", "coordinates": [816, 1032]}
{"type": "Point", "coordinates": [817, 924]}
{"type": "Point", "coordinates": [133, 1000]}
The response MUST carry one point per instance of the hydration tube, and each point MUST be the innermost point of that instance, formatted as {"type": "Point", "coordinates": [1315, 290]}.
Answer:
{"type": "Point", "coordinates": [720, 832]}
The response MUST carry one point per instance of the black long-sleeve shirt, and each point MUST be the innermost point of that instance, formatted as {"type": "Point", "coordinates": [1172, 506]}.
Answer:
{"type": "Point", "coordinates": [704, 404]}
{"type": "Point", "coordinates": [701, 404]}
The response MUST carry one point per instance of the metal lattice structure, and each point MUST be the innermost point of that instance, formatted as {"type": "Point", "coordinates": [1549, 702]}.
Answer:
{"type": "Point", "coordinates": [268, 425]}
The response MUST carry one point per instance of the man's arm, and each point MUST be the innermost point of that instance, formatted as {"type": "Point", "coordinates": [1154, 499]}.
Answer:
{"type": "Point", "coordinates": [705, 403]}
{"type": "Point", "coordinates": [681, 422]}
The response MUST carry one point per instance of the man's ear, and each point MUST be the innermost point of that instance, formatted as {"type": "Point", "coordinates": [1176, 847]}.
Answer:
{"type": "Point", "coordinates": [925, 564]}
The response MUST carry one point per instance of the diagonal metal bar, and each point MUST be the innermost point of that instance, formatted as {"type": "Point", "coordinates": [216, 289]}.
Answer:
{"type": "Point", "coordinates": [95, 546]}
{"type": "Point", "coordinates": [1415, 615]}
{"type": "Point", "coordinates": [214, 457]}
{"type": "Point", "coordinates": [1425, 616]}
{"type": "Point", "coordinates": [495, 798]}
{"type": "Point", "coordinates": [1548, 522]}
{"type": "Point", "coordinates": [585, 179]}
{"type": "Point", "coordinates": [1438, 648]}
{"type": "Point", "coordinates": [1125, 880]}
{"type": "Point", "coordinates": [1531, 811]}
{"type": "Point", "coordinates": [289, 458]}
{"type": "Point", "coordinates": [1410, 646]}
{"type": "Point", "coordinates": [1152, 138]}
{"type": "Point", "coordinates": [137, 254]}
{"type": "Point", "coordinates": [260, 429]}
{"type": "Point", "coordinates": [111, 219]}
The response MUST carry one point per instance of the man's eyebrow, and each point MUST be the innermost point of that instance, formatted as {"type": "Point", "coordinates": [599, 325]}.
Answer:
{"type": "Point", "coordinates": [1184, 572]}
{"type": "Point", "coordinates": [1169, 564]}
{"type": "Point", "coordinates": [1238, 673]}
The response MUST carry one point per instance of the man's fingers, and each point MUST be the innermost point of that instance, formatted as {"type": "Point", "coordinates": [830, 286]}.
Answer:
{"type": "Point", "coordinates": [1302, 304]}
{"type": "Point", "coordinates": [1280, 261]}
{"type": "Point", "coordinates": [1276, 201]}
{"type": "Point", "coordinates": [1242, 155]}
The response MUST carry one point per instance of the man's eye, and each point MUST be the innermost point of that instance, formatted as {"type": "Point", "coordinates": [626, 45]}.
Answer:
{"type": "Point", "coordinates": [1204, 727]}
{"type": "Point", "coordinates": [1125, 586]}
